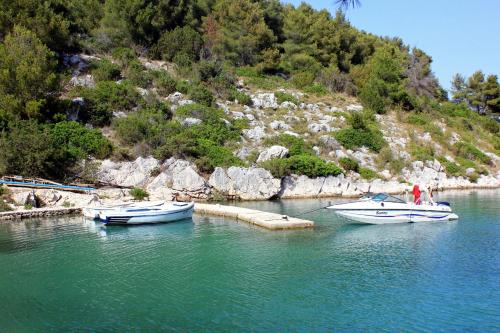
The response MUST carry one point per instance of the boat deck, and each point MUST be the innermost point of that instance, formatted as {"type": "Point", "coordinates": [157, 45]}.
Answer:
{"type": "Point", "coordinates": [266, 220]}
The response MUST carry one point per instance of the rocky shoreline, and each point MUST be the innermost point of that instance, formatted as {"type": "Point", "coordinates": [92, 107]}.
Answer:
{"type": "Point", "coordinates": [179, 180]}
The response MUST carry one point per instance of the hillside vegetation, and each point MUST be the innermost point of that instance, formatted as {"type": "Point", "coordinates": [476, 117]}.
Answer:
{"type": "Point", "coordinates": [217, 81]}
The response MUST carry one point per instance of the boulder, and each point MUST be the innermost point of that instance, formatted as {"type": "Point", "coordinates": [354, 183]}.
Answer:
{"type": "Point", "coordinates": [264, 101]}
{"type": "Point", "coordinates": [180, 178]}
{"type": "Point", "coordinates": [318, 127]}
{"type": "Point", "coordinates": [135, 173]}
{"type": "Point", "coordinates": [288, 105]}
{"type": "Point", "coordinates": [245, 183]}
{"type": "Point", "coordinates": [354, 107]}
{"type": "Point", "coordinates": [301, 187]}
{"type": "Point", "coordinates": [190, 121]}
{"type": "Point", "coordinates": [255, 134]}
{"type": "Point", "coordinates": [83, 81]}
{"type": "Point", "coordinates": [329, 142]}
{"type": "Point", "coordinates": [272, 152]}
{"type": "Point", "coordinates": [279, 125]}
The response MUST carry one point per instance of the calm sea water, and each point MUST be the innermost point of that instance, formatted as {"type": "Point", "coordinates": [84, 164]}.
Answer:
{"type": "Point", "coordinates": [213, 274]}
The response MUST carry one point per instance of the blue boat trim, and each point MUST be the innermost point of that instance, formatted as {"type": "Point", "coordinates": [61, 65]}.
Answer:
{"type": "Point", "coordinates": [409, 215]}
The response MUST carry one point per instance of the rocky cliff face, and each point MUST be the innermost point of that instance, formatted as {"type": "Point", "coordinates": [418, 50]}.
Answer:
{"type": "Point", "coordinates": [180, 179]}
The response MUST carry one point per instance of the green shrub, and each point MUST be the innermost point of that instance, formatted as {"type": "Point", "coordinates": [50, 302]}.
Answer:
{"type": "Point", "coordinates": [367, 174]}
{"type": "Point", "coordinates": [105, 70]}
{"type": "Point", "coordinates": [349, 164]}
{"type": "Point", "coordinates": [417, 119]}
{"type": "Point", "coordinates": [241, 97]}
{"type": "Point", "coordinates": [467, 150]}
{"type": "Point", "coordinates": [316, 89]}
{"type": "Point", "coordinates": [213, 155]}
{"type": "Point", "coordinates": [138, 193]}
{"type": "Point", "coordinates": [106, 97]}
{"type": "Point", "coordinates": [371, 98]}
{"type": "Point", "coordinates": [208, 69]}
{"type": "Point", "coordinates": [124, 56]}
{"type": "Point", "coordinates": [311, 166]}
{"type": "Point", "coordinates": [28, 207]}
{"type": "Point", "coordinates": [164, 83]}
{"type": "Point", "coordinates": [284, 97]}
{"type": "Point", "coordinates": [183, 86]}
{"type": "Point", "coordinates": [295, 145]}
{"type": "Point", "coordinates": [491, 126]}
{"type": "Point", "coordinates": [302, 79]}
{"type": "Point", "coordinates": [422, 152]}
{"type": "Point", "coordinates": [80, 141]}
{"type": "Point", "coordinates": [201, 95]}
{"type": "Point", "coordinates": [181, 40]}
{"type": "Point", "coordinates": [138, 75]}
{"type": "Point", "coordinates": [352, 138]}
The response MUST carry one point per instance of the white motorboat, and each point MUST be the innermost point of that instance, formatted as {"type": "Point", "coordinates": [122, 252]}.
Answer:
{"type": "Point", "coordinates": [382, 208]}
{"type": "Point", "coordinates": [168, 212]}
{"type": "Point", "coordinates": [94, 211]}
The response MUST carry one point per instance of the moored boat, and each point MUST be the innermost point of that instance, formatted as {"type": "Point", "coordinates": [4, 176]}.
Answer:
{"type": "Point", "coordinates": [94, 211]}
{"type": "Point", "coordinates": [168, 212]}
{"type": "Point", "coordinates": [386, 209]}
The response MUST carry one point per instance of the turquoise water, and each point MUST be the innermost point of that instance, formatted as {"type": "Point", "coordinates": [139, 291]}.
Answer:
{"type": "Point", "coordinates": [213, 274]}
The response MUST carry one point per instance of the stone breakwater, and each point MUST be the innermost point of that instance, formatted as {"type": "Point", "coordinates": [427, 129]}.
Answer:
{"type": "Point", "coordinates": [40, 212]}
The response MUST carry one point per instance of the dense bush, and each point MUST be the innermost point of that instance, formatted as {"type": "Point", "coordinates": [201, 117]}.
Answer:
{"type": "Point", "coordinates": [417, 119]}
{"type": "Point", "coordinates": [302, 79]}
{"type": "Point", "coordinates": [138, 193]}
{"type": "Point", "coordinates": [213, 155]}
{"type": "Point", "coordinates": [349, 164]}
{"type": "Point", "coordinates": [202, 95]}
{"type": "Point", "coordinates": [105, 70]}
{"type": "Point", "coordinates": [295, 145]}
{"type": "Point", "coordinates": [164, 83]}
{"type": "Point", "coordinates": [124, 56]}
{"type": "Point", "coordinates": [138, 75]}
{"type": "Point", "coordinates": [367, 174]}
{"type": "Point", "coordinates": [311, 166]}
{"type": "Point", "coordinates": [467, 150]}
{"type": "Point", "coordinates": [106, 97]}
{"type": "Point", "coordinates": [284, 97]}
{"type": "Point", "coordinates": [182, 40]}
{"type": "Point", "coordinates": [240, 96]}
{"type": "Point", "coordinates": [79, 141]}
{"type": "Point", "coordinates": [352, 138]}
{"type": "Point", "coordinates": [451, 168]}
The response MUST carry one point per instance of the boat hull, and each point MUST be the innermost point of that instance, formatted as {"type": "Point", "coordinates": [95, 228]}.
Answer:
{"type": "Point", "coordinates": [148, 216]}
{"type": "Point", "coordinates": [395, 216]}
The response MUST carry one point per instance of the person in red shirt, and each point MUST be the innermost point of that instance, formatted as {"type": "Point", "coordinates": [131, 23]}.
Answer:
{"type": "Point", "coordinates": [416, 195]}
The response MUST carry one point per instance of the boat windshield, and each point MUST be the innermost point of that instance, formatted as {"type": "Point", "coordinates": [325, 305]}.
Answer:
{"type": "Point", "coordinates": [386, 198]}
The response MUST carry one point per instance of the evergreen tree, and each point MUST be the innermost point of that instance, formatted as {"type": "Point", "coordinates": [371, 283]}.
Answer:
{"type": "Point", "coordinates": [459, 88]}
{"type": "Point", "coordinates": [27, 74]}
{"type": "Point", "coordinates": [491, 92]}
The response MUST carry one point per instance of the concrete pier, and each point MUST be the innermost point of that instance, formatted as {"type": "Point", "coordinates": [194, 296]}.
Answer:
{"type": "Point", "coordinates": [266, 220]}
{"type": "Point", "coordinates": [38, 212]}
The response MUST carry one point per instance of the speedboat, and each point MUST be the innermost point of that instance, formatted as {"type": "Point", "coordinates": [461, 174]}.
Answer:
{"type": "Point", "coordinates": [382, 208]}
{"type": "Point", "coordinates": [170, 212]}
{"type": "Point", "coordinates": [94, 211]}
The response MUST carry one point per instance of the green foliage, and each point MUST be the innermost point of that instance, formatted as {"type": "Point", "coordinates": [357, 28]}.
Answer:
{"type": "Point", "coordinates": [303, 79]}
{"type": "Point", "coordinates": [137, 74]}
{"type": "Point", "coordinates": [27, 74]}
{"type": "Point", "coordinates": [422, 152]}
{"type": "Point", "coordinates": [308, 165]}
{"type": "Point", "coordinates": [349, 164]}
{"type": "Point", "coordinates": [183, 86]}
{"type": "Point", "coordinates": [201, 95]}
{"type": "Point", "coordinates": [352, 138]}
{"type": "Point", "coordinates": [240, 96]}
{"type": "Point", "coordinates": [295, 145]}
{"type": "Point", "coordinates": [164, 83]}
{"type": "Point", "coordinates": [4, 207]}
{"type": "Point", "coordinates": [417, 119]}
{"type": "Point", "coordinates": [479, 93]}
{"type": "Point", "coordinates": [236, 31]}
{"type": "Point", "coordinates": [451, 168]}
{"type": "Point", "coordinates": [316, 89]}
{"type": "Point", "coordinates": [124, 56]}
{"type": "Point", "coordinates": [105, 70]}
{"type": "Point", "coordinates": [138, 193]}
{"type": "Point", "coordinates": [79, 141]}
{"type": "Point", "coordinates": [106, 97]}
{"type": "Point", "coordinates": [182, 40]}
{"type": "Point", "coordinates": [367, 174]}
{"type": "Point", "coordinates": [213, 155]}
{"type": "Point", "coordinates": [284, 97]}
{"type": "Point", "coordinates": [469, 151]}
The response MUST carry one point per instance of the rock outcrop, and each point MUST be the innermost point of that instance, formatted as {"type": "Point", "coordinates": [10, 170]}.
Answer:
{"type": "Point", "coordinates": [245, 183]}
{"type": "Point", "coordinates": [272, 152]}
{"type": "Point", "coordinates": [135, 173]}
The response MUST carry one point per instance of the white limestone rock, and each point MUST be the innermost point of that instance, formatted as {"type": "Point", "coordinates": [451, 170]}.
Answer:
{"type": "Point", "coordinates": [135, 173]}
{"type": "Point", "coordinates": [245, 183]}
{"type": "Point", "coordinates": [255, 134]}
{"type": "Point", "coordinates": [354, 107]}
{"type": "Point", "coordinates": [272, 152]}
{"type": "Point", "coordinates": [279, 125]}
{"type": "Point", "coordinates": [190, 121]}
{"type": "Point", "coordinates": [264, 101]}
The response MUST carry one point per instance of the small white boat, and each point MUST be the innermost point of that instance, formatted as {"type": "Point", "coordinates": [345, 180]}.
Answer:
{"type": "Point", "coordinates": [168, 212]}
{"type": "Point", "coordinates": [382, 208]}
{"type": "Point", "coordinates": [93, 212]}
